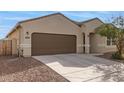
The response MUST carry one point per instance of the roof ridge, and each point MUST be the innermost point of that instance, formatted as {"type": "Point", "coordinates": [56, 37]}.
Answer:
{"type": "Point", "coordinates": [40, 17]}
{"type": "Point", "coordinates": [57, 13]}
{"type": "Point", "coordinates": [76, 22]}
{"type": "Point", "coordinates": [92, 20]}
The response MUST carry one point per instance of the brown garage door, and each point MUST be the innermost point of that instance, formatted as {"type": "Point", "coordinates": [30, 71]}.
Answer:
{"type": "Point", "coordinates": [45, 44]}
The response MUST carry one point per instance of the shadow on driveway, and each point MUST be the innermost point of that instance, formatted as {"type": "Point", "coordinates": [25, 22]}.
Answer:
{"type": "Point", "coordinates": [84, 67]}
{"type": "Point", "coordinates": [114, 72]}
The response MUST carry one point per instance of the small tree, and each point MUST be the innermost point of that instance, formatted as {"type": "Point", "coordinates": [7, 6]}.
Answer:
{"type": "Point", "coordinates": [114, 30]}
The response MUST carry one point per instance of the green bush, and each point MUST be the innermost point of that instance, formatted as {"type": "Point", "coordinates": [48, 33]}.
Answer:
{"type": "Point", "coordinates": [116, 55]}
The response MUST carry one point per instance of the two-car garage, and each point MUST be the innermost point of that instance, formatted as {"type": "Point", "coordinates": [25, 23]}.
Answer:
{"type": "Point", "coordinates": [45, 44]}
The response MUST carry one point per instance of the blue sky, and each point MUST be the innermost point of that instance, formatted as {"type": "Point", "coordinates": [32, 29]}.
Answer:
{"type": "Point", "coordinates": [9, 18]}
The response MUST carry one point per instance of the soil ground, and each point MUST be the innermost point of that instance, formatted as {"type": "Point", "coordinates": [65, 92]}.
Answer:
{"type": "Point", "coordinates": [14, 69]}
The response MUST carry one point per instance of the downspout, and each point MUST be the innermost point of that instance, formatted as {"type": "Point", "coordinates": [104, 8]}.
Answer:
{"type": "Point", "coordinates": [84, 42]}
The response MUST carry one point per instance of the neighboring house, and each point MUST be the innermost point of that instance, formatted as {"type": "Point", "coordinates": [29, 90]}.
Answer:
{"type": "Point", "coordinates": [56, 34]}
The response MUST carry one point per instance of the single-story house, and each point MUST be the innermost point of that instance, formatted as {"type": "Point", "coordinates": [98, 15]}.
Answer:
{"type": "Point", "coordinates": [56, 34]}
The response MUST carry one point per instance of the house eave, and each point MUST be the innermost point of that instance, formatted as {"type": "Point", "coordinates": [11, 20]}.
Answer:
{"type": "Point", "coordinates": [13, 29]}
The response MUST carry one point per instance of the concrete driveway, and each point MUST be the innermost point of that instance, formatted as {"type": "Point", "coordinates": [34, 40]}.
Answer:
{"type": "Point", "coordinates": [84, 67]}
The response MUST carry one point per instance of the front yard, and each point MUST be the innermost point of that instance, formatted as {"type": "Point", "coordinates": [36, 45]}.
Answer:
{"type": "Point", "coordinates": [108, 56]}
{"type": "Point", "coordinates": [55, 68]}
{"type": "Point", "coordinates": [13, 69]}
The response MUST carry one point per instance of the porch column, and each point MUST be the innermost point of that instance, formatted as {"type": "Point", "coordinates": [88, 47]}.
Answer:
{"type": "Point", "coordinates": [87, 43]}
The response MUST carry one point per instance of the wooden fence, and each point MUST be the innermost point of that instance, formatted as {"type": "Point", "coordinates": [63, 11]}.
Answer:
{"type": "Point", "coordinates": [5, 47]}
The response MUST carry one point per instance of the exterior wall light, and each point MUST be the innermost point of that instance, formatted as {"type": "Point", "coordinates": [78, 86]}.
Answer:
{"type": "Point", "coordinates": [27, 35]}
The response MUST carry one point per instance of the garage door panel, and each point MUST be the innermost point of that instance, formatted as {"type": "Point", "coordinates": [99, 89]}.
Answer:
{"type": "Point", "coordinates": [43, 44]}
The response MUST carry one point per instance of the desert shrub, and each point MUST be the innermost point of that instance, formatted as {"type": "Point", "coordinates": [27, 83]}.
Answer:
{"type": "Point", "coordinates": [116, 55]}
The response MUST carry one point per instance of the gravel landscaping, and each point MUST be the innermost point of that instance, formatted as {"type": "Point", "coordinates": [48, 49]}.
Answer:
{"type": "Point", "coordinates": [13, 69]}
{"type": "Point", "coordinates": [109, 57]}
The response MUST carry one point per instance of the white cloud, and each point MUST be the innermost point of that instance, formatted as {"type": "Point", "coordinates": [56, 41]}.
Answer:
{"type": "Point", "coordinates": [4, 26]}
{"type": "Point", "coordinates": [104, 12]}
{"type": "Point", "coordinates": [15, 18]}
{"type": "Point", "coordinates": [80, 16]}
{"type": "Point", "coordinates": [4, 29]}
{"type": "Point", "coordinates": [3, 33]}
{"type": "Point", "coordinates": [31, 13]}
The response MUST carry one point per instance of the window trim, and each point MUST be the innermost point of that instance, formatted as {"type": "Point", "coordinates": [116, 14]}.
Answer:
{"type": "Point", "coordinates": [111, 42]}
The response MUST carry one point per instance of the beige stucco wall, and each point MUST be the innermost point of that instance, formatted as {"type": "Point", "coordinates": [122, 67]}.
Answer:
{"type": "Point", "coordinates": [14, 36]}
{"type": "Point", "coordinates": [87, 28]}
{"type": "Point", "coordinates": [91, 25]}
{"type": "Point", "coordinates": [16, 40]}
{"type": "Point", "coordinates": [98, 44]}
{"type": "Point", "coordinates": [53, 24]}
{"type": "Point", "coordinates": [95, 43]}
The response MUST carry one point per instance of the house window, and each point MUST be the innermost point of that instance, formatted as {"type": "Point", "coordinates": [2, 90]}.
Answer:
{"type": "Point", "coordinates": [113, 41]}
{"type": "Point", "coordinates": [110, 41]}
